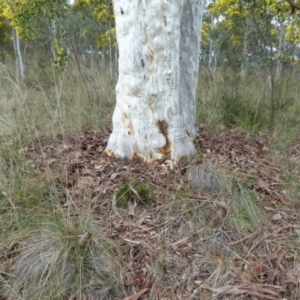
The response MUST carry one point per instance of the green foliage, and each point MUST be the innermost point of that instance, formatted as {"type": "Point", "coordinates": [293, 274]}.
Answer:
{"type": "Point", "coordinates": [106, 39]}
{"type": "Point", "coordinates": [4, 39]}
{"type": "Point", "coordinates": [102, 12]}
{"type": "Point", "coordinates": [56, 27]}
{"type": "Point", "coordinates": [244, 32]}
{"type": "Point", "coordinates": [135, 191]}
{"type": "Point", "coordinates": [26, 16]}
{"type": "Point", "coordinates": [293, 30]}
{"type": "Point", "coordinates": [62, 56]}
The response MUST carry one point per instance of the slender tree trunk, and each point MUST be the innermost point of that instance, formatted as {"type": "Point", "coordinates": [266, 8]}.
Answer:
{"type": "Point", "coordinates": [20, 68]}
{"type": "Point", "coordinates": [159, 50]}
{"type": "Point", "coordinates": [292, 66]}
{"type": "Point", "coordinates": [271, 66]}
{"type": "Point", "coordinates": [110, 53]}
{"type": "Point", "coordinates": [281, 52]}
{"type": "Point", "coordinates": [53, 40]}
{"type": "Point", "coordinates": [244, 64]}
{"type": "Point", "coordinates": [15, 52]}
{"type": "Point", "coordinates": [212, 58]}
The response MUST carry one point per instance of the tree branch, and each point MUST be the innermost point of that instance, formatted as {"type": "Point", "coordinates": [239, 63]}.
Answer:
{"type": "Point", "coordinates": [293, 6]}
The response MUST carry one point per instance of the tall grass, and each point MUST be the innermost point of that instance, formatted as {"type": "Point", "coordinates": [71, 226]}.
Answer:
{"type": "Point", "coordinates": [37, 237]}
{"type": "Point", "coordinates": [51, 103]}
{"type": "Point", "coordinates": [224, 98]}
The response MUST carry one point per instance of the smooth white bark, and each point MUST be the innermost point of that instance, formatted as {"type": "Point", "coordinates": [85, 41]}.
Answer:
{"type": "Point", "coordinates": [20, 68]}
{"type": "Point", "coordinates": [244, 64]}
{"type": "Point", "coordinates": [53, 40]}
{"type": "Point", "coordinates": [212, 60]}
{"type": "Point", "coordinates": [159, 49]}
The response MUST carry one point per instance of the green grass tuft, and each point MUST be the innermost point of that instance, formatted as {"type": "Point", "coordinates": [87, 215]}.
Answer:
{"type": "Point", "coordinates": [135, 191]}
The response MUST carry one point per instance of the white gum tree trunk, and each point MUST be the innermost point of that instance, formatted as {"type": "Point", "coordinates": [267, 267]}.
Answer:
{"type": "Point", "coordinates": [159, 47]}
{"type": "Point", "coordinates": [20, 68]}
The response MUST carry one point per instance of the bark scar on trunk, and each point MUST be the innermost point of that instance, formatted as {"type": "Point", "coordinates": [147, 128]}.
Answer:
{"type": "Point", "coordinates": [165, 20]}
{"type": "Point", "coordinates": [187, 133]}
{"type": "Point", "coordinates": [163, 129]}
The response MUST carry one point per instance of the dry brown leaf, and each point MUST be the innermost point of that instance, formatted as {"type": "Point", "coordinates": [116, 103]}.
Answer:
{"type": "Point", "coordinates": [137, 295]}
{"type": "Point", "coordinates": [159, 292]}
{"type": "Point", "coordinates": [258, 271]}
{"type": "Point", "coordinates": [280, 197]}
{"type": "Point", "coordinates": [226, 289]}
{"type": "Point", "coordinates": [254, 290]}
{"type": "Point", "coordinates": [264, 297]}
{"type": "Point", "coordinates": [292, 277]}
{"type": "Point", "coordinates": [265, 293]}
{"type": "Point", "coordinates": [264, 186]}
{"type": "Point", "coordinates": [141, 229]}
{"type": "Point", "coordinates": [244, 238]}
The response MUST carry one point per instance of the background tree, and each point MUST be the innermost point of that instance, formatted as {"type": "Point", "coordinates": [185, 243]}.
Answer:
{"type": "Point", "coordinates": [104, 39]}
{"type": "Point", "coordinates": [51, 30]}
{"type": "Point", "coordinates": [245, 31]}
{"type": "Point", "coordinates": [254, 38]}
{"type": "Point", "coordinates": [28, 20]}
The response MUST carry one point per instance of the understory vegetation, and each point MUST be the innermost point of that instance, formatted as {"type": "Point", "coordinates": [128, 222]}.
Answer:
{"type": "Point", "coordinates": [77, 225]}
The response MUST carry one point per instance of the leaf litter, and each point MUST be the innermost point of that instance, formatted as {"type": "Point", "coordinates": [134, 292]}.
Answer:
{"type": "Point", "coordinates": [166, 253]}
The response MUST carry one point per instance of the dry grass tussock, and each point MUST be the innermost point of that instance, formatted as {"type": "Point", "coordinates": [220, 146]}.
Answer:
{"type": "Point", "coordinates": [76, 225]}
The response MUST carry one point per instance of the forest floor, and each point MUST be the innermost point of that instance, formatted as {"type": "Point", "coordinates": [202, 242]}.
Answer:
{"type": "Point", "coordinates": [222, 225]}
{"type": "Point", "coordinates": [76, 224]}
